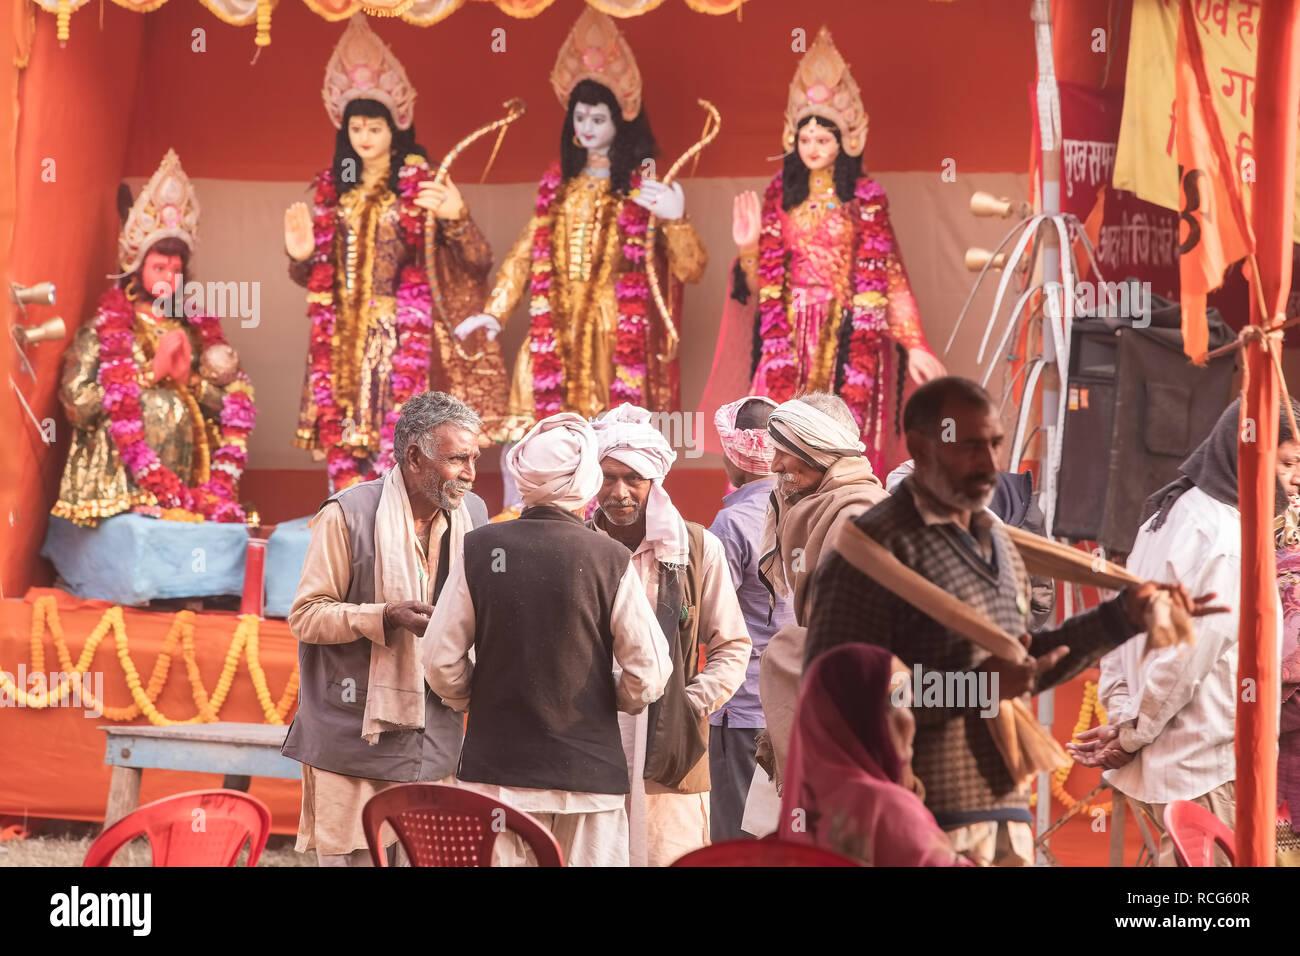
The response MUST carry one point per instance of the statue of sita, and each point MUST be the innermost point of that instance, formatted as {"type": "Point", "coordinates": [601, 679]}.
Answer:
{"type": "Point", "coordinates": [818, 294]}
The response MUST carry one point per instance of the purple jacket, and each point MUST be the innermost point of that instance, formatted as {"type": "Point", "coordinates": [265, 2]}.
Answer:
{"type": "Point", "coordinates": [739, 526]}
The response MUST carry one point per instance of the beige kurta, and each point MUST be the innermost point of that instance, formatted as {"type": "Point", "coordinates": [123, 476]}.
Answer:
{"type": "Point", "coordinates": [663, 825]}
{"type": "Point", "coordinates": [330, 822]}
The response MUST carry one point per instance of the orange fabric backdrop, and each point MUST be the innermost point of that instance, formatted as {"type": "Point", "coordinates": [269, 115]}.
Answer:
{"type": "Point", "coordinates": [73, 105]}
{"type": "Point", "coordinates": [54, 758]}
{"type": "Point", "coordinates": [12, 48]}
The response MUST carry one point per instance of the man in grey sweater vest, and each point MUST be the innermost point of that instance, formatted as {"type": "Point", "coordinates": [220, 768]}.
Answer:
{"type": "Point", "coordinates": [380, 552]}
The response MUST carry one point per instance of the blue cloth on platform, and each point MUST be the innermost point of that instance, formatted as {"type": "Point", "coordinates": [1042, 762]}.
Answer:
{"type": "Point", "coordinates": [286, 550]}
{"type": "Point", "coordinates": [133, 559]}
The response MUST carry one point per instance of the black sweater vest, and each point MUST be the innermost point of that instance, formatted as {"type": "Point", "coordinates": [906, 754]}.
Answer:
{"type": "Point", "coordinates": [542, 709]}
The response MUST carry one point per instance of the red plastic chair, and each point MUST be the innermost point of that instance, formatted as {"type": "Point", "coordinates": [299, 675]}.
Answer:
{"type": "Point", "coordinates": [766, 852]}
{"type": "Point", "coordinates": [1194, 832]}
{"type": "Point", "coordinates": [178, 836]}
{"type": "Point", "coordinates": [448, 826]}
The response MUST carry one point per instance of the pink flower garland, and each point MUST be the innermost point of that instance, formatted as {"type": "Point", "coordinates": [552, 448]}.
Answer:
{"type": "Point", "coordinates": [414, 326]}
{"type": "Point", "coordinates": [631, 290]}
{"type": "Point", "coordinates": [119, 376]}
{"type": "Point", "coordinates": [777, 375]}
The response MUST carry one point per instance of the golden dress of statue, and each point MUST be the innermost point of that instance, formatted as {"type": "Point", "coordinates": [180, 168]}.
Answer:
{"type": "Point", "coordinates": [369, 245]}
{"type": "Point", "coordinates": [595, 339]}
{"type": "Point", "coordinates": [586, 254]}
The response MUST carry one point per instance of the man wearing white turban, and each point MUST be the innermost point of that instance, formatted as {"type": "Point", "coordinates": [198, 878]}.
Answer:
{"type": "Point", "coordinates": [563, 638]}
{"type": "Point", "coordinates": [683, 570]}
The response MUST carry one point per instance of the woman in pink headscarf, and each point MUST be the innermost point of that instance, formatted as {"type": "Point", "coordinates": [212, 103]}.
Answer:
{"type": "Point", "coordinates": [847, 786]}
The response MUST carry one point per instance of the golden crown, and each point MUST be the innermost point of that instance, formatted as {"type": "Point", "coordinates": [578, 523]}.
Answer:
{"type": "Point", "coordinates": [167, 207]}
{"type": "Point", "coordinates": [362, 67]}
{"type": "Point", "coordinates": [595, 50]}
{"type": "Point", "coordinates": [824, 87]}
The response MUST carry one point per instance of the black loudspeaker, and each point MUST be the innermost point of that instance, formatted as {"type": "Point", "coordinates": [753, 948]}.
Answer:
{"type": "Point", "coordinates": [1135, 408]}
{"type": "Point", "coordinates": [1089, 429]}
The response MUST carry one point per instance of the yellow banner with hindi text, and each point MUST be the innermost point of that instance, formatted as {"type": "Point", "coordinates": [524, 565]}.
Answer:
{"type": "Point", "coordinates": [1146, 160]}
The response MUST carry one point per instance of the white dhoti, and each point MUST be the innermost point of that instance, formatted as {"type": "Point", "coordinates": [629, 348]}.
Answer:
{"type": "Point", "coordinates": [591, 828]}
{"type": "Point", "coordinates": [663, 826]}
{"type": "Point", "coordinates": [330, 821]}
{"type": "Point", "coordinates": [585, 839]}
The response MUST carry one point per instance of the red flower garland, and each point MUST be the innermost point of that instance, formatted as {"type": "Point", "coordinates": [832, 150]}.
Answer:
{"type": "Point", "coordinates": [862, 375]}
{"type": "Point", "coordinates": [414, 324]}
{"type": "Point", "coordinates": [548, 370]}
{"type": "Point", "coordinates": [632, 292]}
{"type": "Point", "coordinates": [120, 377]}
{"type": "Point", "coordinates": [777, 375]}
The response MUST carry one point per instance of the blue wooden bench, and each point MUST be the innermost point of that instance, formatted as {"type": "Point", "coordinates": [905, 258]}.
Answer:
{"type": "Point", "coordinates": [238, 752]}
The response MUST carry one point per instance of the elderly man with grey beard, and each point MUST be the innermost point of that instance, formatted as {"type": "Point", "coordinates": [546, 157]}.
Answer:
{"type": "Point", "coordinates": [380, 552]}
{"type": "Point", "coordinates": [938, 525]}
{"type": "Point", "coordinates": [823, 481]}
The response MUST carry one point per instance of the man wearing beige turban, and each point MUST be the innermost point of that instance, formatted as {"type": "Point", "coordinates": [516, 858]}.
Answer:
{"type": "Point", "coordinates": [549, 609]}
{"type": "Point", "coordinates": [683, 569]}
{"type": "Point", "coordinates": [823, 481]}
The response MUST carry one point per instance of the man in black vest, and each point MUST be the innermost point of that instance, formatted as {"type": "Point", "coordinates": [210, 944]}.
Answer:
{"type": "Point", "coordinates": [380, 552]}
{"type": "Point", "coordinates": [683, 569]}
{"type": "Point", "coordinates": [552, 611]}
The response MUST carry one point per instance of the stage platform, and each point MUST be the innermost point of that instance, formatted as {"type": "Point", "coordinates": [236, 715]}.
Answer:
{"type": "Point", "coordinates": [132, 559]}
{"type": "Point", "coordinates": [54, 758]}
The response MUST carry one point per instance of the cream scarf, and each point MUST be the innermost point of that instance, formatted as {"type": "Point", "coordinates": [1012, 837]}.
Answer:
{"type": "Point", "coordinates": [794, 534]}
{"type": "Point", "coordinates": [395, 698]}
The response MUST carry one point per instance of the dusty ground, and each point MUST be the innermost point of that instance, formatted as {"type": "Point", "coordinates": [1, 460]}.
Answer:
{"type": "Point", "coordinates": [64, 843]}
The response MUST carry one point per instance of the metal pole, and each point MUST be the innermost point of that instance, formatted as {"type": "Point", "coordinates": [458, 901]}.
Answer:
{"type": "Point", "coordinates": [1049, 165]}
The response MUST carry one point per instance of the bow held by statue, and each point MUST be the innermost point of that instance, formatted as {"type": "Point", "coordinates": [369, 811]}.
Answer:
{"type": "Point", "coordinates": [712, 126]}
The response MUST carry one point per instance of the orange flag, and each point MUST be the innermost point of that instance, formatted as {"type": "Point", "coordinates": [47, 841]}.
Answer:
{"type": "Point", "coordinates": [1213, 231]}
{"type": "Point", "coordinates": [1091, 229]}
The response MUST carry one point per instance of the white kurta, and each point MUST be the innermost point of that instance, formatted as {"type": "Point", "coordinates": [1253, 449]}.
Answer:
{"type": "Point", "coordinates": [1176, 707]}
{"type": "Point", "coordinates": [644, 665]}
{"type": "Point", "coordinates": [664, 826]}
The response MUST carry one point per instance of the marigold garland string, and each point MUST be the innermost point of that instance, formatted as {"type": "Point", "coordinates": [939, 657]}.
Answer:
{"type": "Point", "coordinates": [244, 642]}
